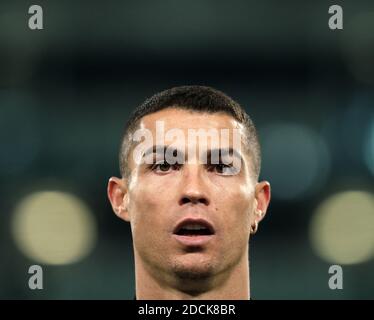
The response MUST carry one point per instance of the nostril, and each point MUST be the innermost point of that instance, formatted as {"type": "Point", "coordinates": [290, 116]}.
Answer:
{"type": "Point", "coordinates": [203, 201]}
{"type": "Point", "coordinates": [185, 200]}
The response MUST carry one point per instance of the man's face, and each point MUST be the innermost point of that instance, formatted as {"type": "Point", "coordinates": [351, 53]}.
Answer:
{"type": "Point", "coordinates": [161, 196]}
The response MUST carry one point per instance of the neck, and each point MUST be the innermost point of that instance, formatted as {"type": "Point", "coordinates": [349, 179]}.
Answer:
{"type": "Point", "coordinates": [232, 284]}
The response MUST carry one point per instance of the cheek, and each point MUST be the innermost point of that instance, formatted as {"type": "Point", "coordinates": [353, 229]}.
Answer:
{"type": "Point", "coordinates": [146, 209]}
{"type": "Point", "coordinates": [236, 203]}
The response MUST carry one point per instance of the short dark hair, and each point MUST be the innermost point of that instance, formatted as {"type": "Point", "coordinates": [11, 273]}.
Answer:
{"type": "Point", "coordinates": [194, 98]}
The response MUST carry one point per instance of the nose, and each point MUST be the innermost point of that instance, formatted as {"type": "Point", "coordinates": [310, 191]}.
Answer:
{"type": "Point", "coordinates": [194, 188]}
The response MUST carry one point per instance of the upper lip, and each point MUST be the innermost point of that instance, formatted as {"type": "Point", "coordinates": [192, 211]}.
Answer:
{"type": "Point", "coordinates": [189, 220]}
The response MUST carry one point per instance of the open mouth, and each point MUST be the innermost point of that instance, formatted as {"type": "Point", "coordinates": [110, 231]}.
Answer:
{"type": "Point", "coordinates": [194, 228]}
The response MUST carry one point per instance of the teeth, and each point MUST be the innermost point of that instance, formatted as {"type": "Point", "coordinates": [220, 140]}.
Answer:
{"type": "Point", "coordinates": [194, 227]}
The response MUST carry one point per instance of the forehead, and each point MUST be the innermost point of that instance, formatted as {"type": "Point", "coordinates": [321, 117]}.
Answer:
{"type": "Point", "coordinates": [185, 120]}
{"type": "Point", "coordinates": [173, 118]}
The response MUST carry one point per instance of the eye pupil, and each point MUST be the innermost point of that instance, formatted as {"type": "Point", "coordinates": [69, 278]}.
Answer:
{"type": "Point", "coordinates": [164, 166]}
{"type": "Point", "coordinates": [220, 167]}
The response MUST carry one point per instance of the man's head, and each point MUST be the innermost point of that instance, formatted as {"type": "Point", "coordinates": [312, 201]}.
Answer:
{"type": "Point", "coordinates": [189, 220]}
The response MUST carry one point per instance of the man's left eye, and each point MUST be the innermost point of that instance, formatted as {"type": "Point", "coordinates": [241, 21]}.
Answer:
{"type": "Point", "coordinates": [222, 168]}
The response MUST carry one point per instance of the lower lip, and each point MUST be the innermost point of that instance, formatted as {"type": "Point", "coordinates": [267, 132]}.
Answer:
{"type": "Point", "coordinates": [194, 241]}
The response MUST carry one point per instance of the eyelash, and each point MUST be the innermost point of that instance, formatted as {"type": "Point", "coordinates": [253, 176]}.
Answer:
{"type": "Point", "coordinates": [229, 166]}
{"type": "Point", "coordinates": [156, 165]}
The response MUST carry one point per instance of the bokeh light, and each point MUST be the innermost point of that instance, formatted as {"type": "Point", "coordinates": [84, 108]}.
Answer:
{"type": "Point", "coordinates": [54, 228]}
{"type": "Point", "coordinates": [296, 160]}
{"type": "Point", "coordinates": [342, 228]}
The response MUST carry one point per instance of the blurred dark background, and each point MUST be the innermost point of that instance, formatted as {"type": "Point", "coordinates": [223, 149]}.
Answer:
{"type": "Point", "coordinates": [67, 90]}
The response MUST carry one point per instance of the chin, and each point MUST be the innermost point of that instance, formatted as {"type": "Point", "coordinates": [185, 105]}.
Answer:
{"type": "Point", "coordinates": [193, 269]}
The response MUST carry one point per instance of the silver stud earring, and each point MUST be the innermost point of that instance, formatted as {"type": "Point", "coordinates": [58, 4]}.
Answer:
{"type": "Point", "coordinates": [254, 228]}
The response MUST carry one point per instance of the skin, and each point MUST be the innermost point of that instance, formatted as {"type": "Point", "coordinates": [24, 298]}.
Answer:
{"type": "Point", "coordinates": [154, 201]}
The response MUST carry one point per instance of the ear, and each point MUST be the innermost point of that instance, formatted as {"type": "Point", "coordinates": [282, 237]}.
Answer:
{"type": "Point", "coordinates": [118, 197]}
{"type": "Point", "coordinates": [261, 203]}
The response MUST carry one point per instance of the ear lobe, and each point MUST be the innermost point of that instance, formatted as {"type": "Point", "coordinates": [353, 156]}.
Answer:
{"type": "Point", "coordinates": [262, 198]}
{"type": "Point", "coordinates": [260, 204]}
{"type": "Point", "coordinates": [118, 197]}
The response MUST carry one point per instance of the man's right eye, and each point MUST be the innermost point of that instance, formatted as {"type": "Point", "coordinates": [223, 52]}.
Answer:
{"type": "Point", "coordinates": [163, 167]}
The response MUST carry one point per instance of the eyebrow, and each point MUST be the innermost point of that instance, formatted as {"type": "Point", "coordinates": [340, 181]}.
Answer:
{"type": "Point", "coordinates": [224, 152]}
{"type": "Point", "coordinates": [158, 149]}
{"type": "Point", "coordinates": [161, 150]}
